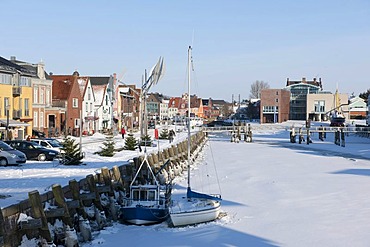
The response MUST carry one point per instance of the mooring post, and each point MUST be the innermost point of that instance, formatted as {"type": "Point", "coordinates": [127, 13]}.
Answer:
{"type": "Point", "coordinates": [60, 201]}
{"type": "Point", "coordinates": [92, 187]}
{"type": "Point", "coordinates": [107, 179]}
{"type": "Point", "coordinates": [38, 213]}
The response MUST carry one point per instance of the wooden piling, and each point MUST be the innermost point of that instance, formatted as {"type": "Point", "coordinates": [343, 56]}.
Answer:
{"type": "Point", "coordinates": [60, 202]}
{"type": "Point", "coordinates": [38, 213]}
{"type": "Point", "coordinates": [118, 182]}
{"type": "Point", "coordinates": [92, 187]}
{"type": "Point", "coordinates": [107, 180]}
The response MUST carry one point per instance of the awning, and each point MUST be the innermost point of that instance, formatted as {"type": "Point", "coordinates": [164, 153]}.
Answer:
{"type": "Point", "coordinates": [13, 123]}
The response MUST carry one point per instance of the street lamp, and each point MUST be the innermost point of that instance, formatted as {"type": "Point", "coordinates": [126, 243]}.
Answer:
{"type": "Point", "coordinates": [7, 107]}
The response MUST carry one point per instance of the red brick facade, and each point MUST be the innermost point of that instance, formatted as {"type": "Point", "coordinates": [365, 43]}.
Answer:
{"type": "Point", "coordinates": [274, 105]}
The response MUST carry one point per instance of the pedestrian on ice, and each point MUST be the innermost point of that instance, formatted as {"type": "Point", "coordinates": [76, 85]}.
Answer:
{"type": "Point", "coordinates": [123, 132]}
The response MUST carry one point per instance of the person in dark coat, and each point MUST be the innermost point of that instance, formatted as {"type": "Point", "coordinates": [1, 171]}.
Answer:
{"type": "Point", "coordinates": [171, 135]}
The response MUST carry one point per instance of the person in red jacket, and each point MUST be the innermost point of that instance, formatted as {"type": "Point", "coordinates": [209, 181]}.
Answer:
{"type": "Point", "coordinates": [123, 132]}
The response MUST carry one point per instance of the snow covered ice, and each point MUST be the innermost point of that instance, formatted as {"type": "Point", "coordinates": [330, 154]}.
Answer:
{"type": "Point", "coordinates": [275, 193]}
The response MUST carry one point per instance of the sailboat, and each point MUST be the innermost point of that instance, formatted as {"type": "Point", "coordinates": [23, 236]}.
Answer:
{"type": "Point", "coordinates": [148, 200]}
{"type": "Point", "coordinates": [337, 119]}
{"type": "Point", "coordinates": [195, 207]}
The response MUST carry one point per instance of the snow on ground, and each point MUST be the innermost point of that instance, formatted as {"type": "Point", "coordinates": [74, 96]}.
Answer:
{"type": "Point", "coordinates": [275, 193]}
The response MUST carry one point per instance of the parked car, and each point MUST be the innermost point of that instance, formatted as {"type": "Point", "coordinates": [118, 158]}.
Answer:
{"type": "Point", "coordinates": [10, 156]}
{"type": "Point", "coordinates": [50, 143]}
{"type": "Point", "coordinates": [38, 134]}
{"type": "Point", "coordinates": [33, 151]}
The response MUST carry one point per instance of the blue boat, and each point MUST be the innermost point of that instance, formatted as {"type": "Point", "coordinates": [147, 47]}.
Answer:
{"type": "Point", "coordinates": [148, 200]}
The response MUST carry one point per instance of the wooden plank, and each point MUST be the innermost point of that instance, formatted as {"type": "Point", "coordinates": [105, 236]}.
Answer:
{"type": "Point", "coordinates": [73, 204]}
{"type": "Point", "coordinates": [30, 224]}
{"type": "Point", "coordinates": [103, 189]}
{"type": "Point", "coordinates": [87, 196]}
{"type": "Point", "coordinates": [55, 212]}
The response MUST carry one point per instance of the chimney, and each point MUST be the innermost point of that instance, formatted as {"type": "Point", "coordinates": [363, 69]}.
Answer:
{"type": "Point", "coordinates": [13, 58]}
{"type": "Point", "coordinates": [41, 70]}
{"type": "Point", "coordinates": [303, 79]}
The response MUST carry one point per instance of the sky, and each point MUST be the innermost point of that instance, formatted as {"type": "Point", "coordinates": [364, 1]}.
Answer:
{"type": "Point", "coordinates": [235, 43]}
{"type": "Point", "coordinates": [275, 193]}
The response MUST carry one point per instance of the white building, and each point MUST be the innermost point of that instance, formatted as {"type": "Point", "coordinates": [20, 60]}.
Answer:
{"type": "Point", "coordinates": [88, 104]}
{"type": "Point", "coordinates": [163, 109]}
{"type": "Point", "coordinates": [103, 106]}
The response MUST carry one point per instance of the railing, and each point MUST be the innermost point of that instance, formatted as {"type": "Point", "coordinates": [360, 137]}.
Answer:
{"type": "Point", "coordinates": [59, 103]}
{"type": "Point", "coordinates": [17, 91]}
{"type": "Point", "coordinates": [17, 114]}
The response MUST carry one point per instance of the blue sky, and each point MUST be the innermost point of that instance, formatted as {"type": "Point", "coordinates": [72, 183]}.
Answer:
{"type": "Point", "coordinates": [234, 42]}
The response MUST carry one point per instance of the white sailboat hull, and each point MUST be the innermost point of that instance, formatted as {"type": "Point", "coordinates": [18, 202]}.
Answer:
{"type": "Point", "coordinates": [196, 214]}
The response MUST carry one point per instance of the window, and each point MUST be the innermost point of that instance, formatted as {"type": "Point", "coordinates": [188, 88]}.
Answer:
{"type": "Point", "coordinates": [6, 103]}
{"type": "Point", "coordinates": [42, 97]}
{"type": "Point", "coordinates": [86, 107]}
{"type": "Point", "coordinates": [47, 98]}
{"type": "Point", "coordinates": [25, 81]}
{"type": "Point", "coordinates": [26, 107]}
{"type": "Point", "coordinates": [88, 93]}
{"type": "Point", "coordinates": [319, 105]}
{"type": "Point", "coordinates": [41, 119]}
{"type": "Point", "coordinates": [77, 123]}
{"type": "Point", "coordinates": [35, 118]}
{"type": "Point", "coordinates": [35, 95]}
{"type": "Point", "coordinates": [5, 79]}
{"type": "Point", "coordinates": [276, 100]}
{"type": "Point", "coordinates": [75, 103]}
{"type": "Point", "coordinates": [277, 92]}
{"type": "Point", "coordinates": [270, 109]}
{"type": "Point", "coordinates": [91, 107]}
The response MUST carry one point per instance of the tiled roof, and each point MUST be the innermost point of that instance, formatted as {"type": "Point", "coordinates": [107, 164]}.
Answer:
{"type": "Point", "coordinates": [99, 80]}
{"type": "Point", "coordinates": [62, 86]}
{"type": "Point", "coordinates": [12, 67]}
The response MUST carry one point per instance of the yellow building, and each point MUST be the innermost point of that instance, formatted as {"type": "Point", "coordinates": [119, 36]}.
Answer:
{"type": "Point", "coordinates": [15, 100]}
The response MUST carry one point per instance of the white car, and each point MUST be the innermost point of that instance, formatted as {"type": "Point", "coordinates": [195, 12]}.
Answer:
{"type": "Point", "coordinates": [49, 143]}
{"type": "Point", "coordinates": [10, 156]}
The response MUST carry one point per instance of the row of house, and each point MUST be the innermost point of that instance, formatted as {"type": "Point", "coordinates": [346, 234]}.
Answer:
{"type": "Point", "coordinates": [303, 99]}
{"type": "Point", "coordinates": [32, 100]}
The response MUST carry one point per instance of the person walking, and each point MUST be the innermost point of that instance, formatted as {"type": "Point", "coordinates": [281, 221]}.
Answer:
{"type": "Point", "coordinates": [123, 132]}
{"type": "Point", "coordinates": [171, 135]}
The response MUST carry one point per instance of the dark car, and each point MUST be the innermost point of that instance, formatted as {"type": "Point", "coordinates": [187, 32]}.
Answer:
{"type": "Point", "coordinates": [33, 151]}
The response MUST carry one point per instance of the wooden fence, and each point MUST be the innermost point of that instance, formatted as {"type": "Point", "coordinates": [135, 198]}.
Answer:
{"type": "Point", "coordinates": [67, 215]}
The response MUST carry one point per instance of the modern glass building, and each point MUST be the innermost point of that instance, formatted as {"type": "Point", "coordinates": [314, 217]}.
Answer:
{"type": "Point", "coordinates": [298, 96]}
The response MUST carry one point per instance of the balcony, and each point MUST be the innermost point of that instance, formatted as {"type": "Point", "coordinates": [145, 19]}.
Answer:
{"type": "Point", "coordinates": [59, 103]}
{"type": "Point", "coordinates": [17, 114]}
{"type": "Point", "coordinates": [17, 91]}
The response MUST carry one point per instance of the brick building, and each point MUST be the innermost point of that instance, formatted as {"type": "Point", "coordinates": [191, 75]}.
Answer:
{"type": "Point", "coordinates": [274, 105]}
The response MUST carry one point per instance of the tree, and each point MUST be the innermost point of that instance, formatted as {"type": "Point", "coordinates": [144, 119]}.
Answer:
{"type": "Point", "coordinates": [146, 141]}
{"type": "Point", "coordinates": [130, 142]}
{"type": "Point", "coordinates": [364, 95]}
{"type": "Point", "coordinates": [256, 89]}
{"type": "Point", "coordinates": [72, 152]}
{"type": "Point", "coordinates": [108, 148]}
{"type": "Point", "coordinates": [164, 134]}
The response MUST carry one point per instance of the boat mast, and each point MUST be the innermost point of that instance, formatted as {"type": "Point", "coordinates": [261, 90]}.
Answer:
{"type": "Point", "coordinates": [189, 68]}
